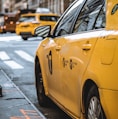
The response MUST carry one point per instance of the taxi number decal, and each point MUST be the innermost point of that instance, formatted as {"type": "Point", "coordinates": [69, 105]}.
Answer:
{"type": "Point", "coordinates": [115, 8]}
{"type": "Point", "coordinates": [70, 62]}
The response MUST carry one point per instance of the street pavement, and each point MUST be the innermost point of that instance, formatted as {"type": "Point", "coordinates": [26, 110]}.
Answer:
{"type": "Point", "coordinates": [13, 103]}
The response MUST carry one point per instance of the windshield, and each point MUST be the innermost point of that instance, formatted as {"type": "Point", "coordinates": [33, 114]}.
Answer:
{"type": "Point", "coordinates": [27, 19]}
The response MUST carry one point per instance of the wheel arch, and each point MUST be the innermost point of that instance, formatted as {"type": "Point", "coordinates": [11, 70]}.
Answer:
{"type": "Point", "coordinates": [36, 60]}
{"type": "Point", "coordinates": [35, 68]}
{"type": "Point", "coordinates": [87, 85]}
{"type": "Point", "coordinates": [44, 81]}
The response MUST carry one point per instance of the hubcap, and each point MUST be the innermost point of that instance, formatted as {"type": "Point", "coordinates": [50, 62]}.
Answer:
{"type": "Point", "coordinates": [94, 108]}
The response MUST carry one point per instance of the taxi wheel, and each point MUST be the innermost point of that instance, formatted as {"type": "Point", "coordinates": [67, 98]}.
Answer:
{"type": "Point", "coordinates": [24, 38]}
{"type": "Point", "coordinates": [42, 98]}
{"type": "Point", "coordinates": [93, 107]}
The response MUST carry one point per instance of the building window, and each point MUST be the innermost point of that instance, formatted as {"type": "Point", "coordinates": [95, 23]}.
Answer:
{"type": "Point", "coordinates": [17, 1]}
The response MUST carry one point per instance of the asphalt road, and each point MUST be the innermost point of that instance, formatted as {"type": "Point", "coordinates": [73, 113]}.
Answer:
{"type": "Point", "coordinates": [17, 61]}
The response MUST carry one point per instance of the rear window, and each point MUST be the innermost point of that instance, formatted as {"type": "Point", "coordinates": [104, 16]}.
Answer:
{"type": "Point", "coordinates": [49, 18]}
{"type": "Point", "coordinates": [27, 19]}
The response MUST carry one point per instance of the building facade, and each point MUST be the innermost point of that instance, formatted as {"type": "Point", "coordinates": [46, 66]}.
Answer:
{"type": "Point", "coordinates": [55, 6]}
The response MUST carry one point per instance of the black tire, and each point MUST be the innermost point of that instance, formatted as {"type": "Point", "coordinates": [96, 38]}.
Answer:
{"type": "Point", "coordinates": [93, 108]}
{"type": "Point", "coordinates": [42, 98]}
{"type": "Point", "coordinates": [24, 38]}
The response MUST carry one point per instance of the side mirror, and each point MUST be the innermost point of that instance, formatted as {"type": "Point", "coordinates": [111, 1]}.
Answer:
{"type": "Point", "coordinates": [43, 31]}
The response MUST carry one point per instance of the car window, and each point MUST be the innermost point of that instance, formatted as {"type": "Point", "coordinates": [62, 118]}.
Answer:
{"type": "Point", "coordinates": [68, 19]}
{"type": "Point", "coordinates": [49, 18]}
{"type": "Point", "coordinates": [27, 19]}
{"type": "Point", "coordinates": [88, 15]}
{"type": "Point", "coordinates": [101, 20]}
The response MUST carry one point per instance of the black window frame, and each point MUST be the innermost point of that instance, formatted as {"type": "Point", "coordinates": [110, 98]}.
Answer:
{"type": "Point", "coordinates": [103, 7]}
{"type": "Point", "coordinates": [102, 4]}
{"type": "Point", "coordinates": [53, 33]}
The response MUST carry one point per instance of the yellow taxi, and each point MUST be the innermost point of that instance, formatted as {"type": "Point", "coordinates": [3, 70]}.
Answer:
{"type": "Point", "coordinates": [28, 22]}
{"type": "Point", "coordinates": [76, 65]}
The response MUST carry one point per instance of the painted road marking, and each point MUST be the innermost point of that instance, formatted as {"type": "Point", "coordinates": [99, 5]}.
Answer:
{"type": "Point", "coordinates": [4, 56]}
{"type": "Point", "coordinates": [10, 38]}
{"type": "Point", "coordinates": [12, 64]}
{"type": "Point", "coordinates": [24, 55]}
{"type": "Point", "coordinates": [27, 114]}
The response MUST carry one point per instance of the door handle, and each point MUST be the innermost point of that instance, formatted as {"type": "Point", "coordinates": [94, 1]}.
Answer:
{"type": "Point", "coordinates": [58, 48]}
{"type": "Point", "coordinates": [86, 46]}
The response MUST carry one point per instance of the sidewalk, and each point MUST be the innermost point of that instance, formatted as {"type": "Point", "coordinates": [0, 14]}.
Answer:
{"type": "Point", "coordinates": [13, 103]}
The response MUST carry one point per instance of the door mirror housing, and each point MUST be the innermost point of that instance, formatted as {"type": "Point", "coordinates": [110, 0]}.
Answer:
{"type": "Point", "coordinates": [43, 31]}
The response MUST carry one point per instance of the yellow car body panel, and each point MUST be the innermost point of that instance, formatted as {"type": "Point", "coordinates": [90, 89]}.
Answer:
{"type": "Point", "coordinates": [102, 69]}
{"type": "Point", "coordinates": [112, 14]}
{"type": "Point", "coordinates": [109, 102]}
{"type": "Point", "coordinates": [78, 59]}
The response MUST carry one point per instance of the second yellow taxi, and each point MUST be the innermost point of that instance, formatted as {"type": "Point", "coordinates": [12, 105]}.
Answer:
{"type": "Point", "coordinates": [28, 22]}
